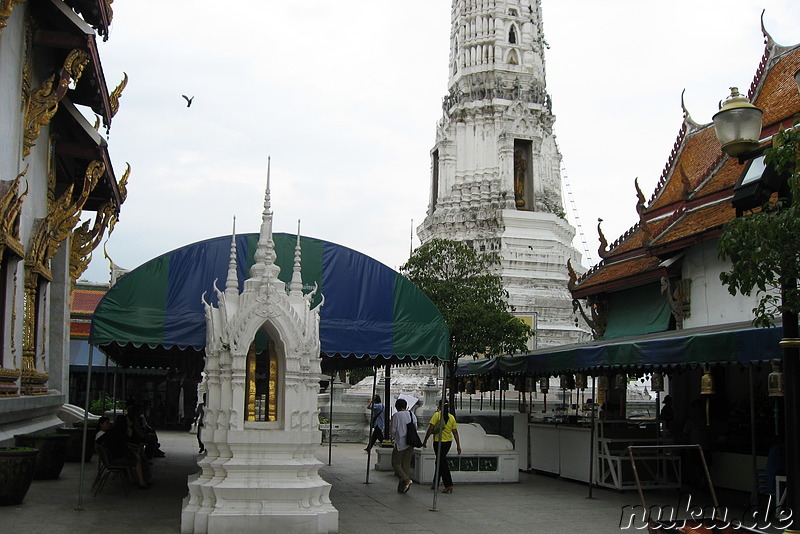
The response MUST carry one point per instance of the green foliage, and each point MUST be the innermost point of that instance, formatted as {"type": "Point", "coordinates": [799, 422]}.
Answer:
{"type": "Point", "coordinates": [105, 403]}
{"type": "Point", "coordinates": [764, 245]}
{"type": "Point", "coordinates": [462, 283]}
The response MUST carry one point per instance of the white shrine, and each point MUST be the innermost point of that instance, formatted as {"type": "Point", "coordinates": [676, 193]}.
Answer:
{"type": "Point", "coordinates": [261, 429]}
{"type": "Point", "coordinates": [495, 179]}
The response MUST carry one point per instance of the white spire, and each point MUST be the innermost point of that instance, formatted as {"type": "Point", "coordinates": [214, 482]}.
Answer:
{"type": "Point", "coordinates": [232, 282]}
{"type": "Point", "coordinates": [265, 251]}
{"type": "Point", "coordinates": [296, 287]}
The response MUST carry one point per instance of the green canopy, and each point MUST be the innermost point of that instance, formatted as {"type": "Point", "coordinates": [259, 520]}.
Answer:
{"type": "Point", "coordinates": [728, 344]}
{"type": "Point", "coordinates": [372, 315]}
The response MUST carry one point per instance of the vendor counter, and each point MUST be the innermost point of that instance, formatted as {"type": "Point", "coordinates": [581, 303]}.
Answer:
{"type": "Point", "coordinates": [567, 450]}
{"type": "Point", "coordinates": [560, 449]}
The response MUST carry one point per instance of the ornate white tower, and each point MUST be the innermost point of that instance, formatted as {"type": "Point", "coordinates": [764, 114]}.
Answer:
{"type": "Point", "coordinates": [495, 180]}
{"type": "Point", "coordinates": [261, 426]}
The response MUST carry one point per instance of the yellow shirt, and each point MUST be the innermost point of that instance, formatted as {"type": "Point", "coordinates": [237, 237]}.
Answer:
{"type": "Point", "coordinates": [447, 432]}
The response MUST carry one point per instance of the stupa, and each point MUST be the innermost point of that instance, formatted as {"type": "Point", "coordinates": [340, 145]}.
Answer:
{"type": "Point", "coordinates": [495, 166]}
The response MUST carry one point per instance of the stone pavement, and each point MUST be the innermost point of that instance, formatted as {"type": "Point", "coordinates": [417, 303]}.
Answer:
{"type": "Point", "coordinates": [537, 504]}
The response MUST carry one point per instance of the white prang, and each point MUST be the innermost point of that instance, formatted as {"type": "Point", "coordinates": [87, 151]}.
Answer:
{"type": "Point", "coordinates": [497, 105]}
{"type": "Point", "coordinates": [260, 476]}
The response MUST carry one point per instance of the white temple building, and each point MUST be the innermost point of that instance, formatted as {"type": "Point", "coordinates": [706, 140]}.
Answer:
{"type": "Point", "coordinates": [495, 173]}
{"type": "Point", "coordinates": [261, 426]}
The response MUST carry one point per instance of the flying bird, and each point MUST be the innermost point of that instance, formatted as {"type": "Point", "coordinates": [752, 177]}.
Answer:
{"type": "Point", "coordinates": [188, 100]}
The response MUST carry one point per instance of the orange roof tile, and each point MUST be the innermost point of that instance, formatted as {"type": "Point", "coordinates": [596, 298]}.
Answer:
{"type": "Point", "coordinates": [696, 222]}
{"type": "Point", "coordinates": [85, 300]}
{"type": "Point", "coordinates": [618, 271]}
{"type": "Point", "coordinates": [695, 161]}
{"type": "Point", "coordinates": [79, 330]}
{"type": "Point", "coordinates": [779, 97]}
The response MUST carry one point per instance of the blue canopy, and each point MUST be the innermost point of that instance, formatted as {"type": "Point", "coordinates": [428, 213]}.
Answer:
{"type": "Point", "coordinates": [372, 314]}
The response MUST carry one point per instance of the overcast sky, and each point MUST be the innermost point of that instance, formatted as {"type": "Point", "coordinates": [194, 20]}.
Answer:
{"type": "Point", "coordinates": [345, 96]}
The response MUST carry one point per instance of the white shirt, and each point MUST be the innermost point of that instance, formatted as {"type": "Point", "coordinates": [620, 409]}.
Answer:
{"type": "Point", "coordinates": [398, 428]}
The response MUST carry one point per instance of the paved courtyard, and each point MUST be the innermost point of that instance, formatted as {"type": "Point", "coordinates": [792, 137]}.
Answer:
{"type": "Point", "coordinates": [537, 504]}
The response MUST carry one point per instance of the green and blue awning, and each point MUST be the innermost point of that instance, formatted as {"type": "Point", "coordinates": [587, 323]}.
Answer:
{"type": "Point", "coordinates": [736, 345]}
{"type": "Point", "coordinates": [371, 314]}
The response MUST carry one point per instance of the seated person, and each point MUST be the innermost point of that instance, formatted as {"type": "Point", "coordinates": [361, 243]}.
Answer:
{"type": "Point", "coordinates": [103, 426]}
{"type": "Point", "coordinates": [144, 433]}
{"type": "Point", "coordinates": [117, 442]}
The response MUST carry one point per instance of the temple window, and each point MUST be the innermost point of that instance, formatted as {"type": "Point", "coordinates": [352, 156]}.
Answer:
{"type": "Point", "coordinates": [523, 175]}
{"type": "Point", "coordinates": [512, 35]}
{"type": "Point", "coordinates": [262, 380]}
{"type": "Point", "coordinates": [434, 178]}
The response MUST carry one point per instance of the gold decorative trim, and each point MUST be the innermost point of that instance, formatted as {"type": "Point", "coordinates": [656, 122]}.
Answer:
{"type": "Point", "coordinates": [33, 382]}
{"type": "Point", "coordinates": [116, 94]}
{"type": "Point", "coordinates": [43, 102]}
{"type": "Point", "coordinates": [573, 276]}
{"type": "Point", "coordinates": [74, 64]}
{"type": "Point", "coordinates": [6, 6]}
{"type": "Point", "coordinates": [42, 105]}
{"type": "Point", "coordinates": [10, 209]}
{"type": "Point", "coordinates": [29, 323]}
{"type": "Point", "coordinates": [59, 223]}
{"type": "Point", "coordinates": [250, 409]}
{"type": "Point", "coordinates": [9, 373]}
{"type": "Point", "coordinates": [122, 185]}
{"type": "Point", "coordinates": [602, 250]}
{"type": "Point", "coordinates": [27, 64]}
{"type": "Point", "coordinates": [13, 337]}
{"type": "Point", "coordinates": [273, 382]}
{"type": "Point", "coordinates": [109, 11]}
{"type": "Point", "coordinates": [85, 240]}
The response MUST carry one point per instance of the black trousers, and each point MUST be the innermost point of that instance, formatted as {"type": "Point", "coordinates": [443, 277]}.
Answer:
{"type": "Point", "coordinates": [377, 435]}
{"type": "Point", "coordinates": [441, 459]}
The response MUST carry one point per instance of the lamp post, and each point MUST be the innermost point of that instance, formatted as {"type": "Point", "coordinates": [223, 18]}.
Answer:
{"type": "Point", "coordinates": [738, 128]}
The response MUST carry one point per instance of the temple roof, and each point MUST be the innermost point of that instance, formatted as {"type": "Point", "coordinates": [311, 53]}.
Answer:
{"type": "Point", "coordinates": [691, 202]}
{"type": "Point", "coordinates": [62, 30]}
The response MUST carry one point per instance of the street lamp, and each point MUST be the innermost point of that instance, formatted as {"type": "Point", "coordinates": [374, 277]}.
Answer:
{"type": "Point", "coordinates": [738, 125]}
{"type": "Point", "coordinates": [738, 128]}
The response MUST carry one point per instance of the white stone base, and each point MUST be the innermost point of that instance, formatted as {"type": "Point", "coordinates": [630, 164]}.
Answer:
{"type": "Point", "coordinates": [269, 483]}
{"type": "Point", "coordinates": [485, 458]}
{"type": "Point", "coordinates": [254, 523]}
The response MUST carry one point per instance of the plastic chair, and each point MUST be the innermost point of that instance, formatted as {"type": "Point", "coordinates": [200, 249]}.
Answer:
{"type": "Point", "coordinates": [107, 468]}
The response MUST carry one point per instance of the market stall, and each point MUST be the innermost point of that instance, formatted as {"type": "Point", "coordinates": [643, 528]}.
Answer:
{"type": "Point", "coordinates": [711, 367]}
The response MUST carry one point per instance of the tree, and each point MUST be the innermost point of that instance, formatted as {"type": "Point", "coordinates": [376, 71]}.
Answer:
{"type": "Point", "coordinates": [462, 284]}
{"type": "Point", "coordinates": [763, 245]}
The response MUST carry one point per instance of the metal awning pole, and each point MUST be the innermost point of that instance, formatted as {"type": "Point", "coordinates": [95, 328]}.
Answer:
{"type": "Point", "coordinates": [330, 421]}
{"type": "Point", "coordinates": [591, 440]}
{"type": "Point", "coordinates": [439, 450]}
{"type": "Point", "coordinates": [753, 434]}
{"type": "Point", "coordinates": [113, 392]}
{"type": "Point", "coordinates": [387, 390]}
{"type": "Point", "coordinates": [371, 422]}
{"type": "Point", "coordinates": [85, 427]}
{"type": "Point", "coordinates": [105, 376]}
{"type": "Point", "coordinates": [500, 409]}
